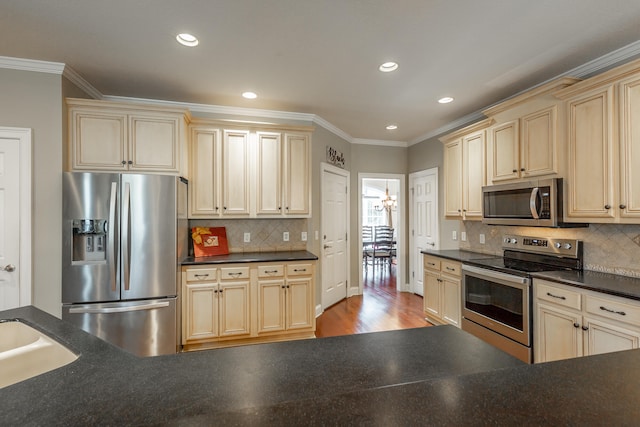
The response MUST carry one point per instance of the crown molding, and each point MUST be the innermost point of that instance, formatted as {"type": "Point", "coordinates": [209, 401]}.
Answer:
{"type": "Point", "coordinates": [611, 59]}
{"type": "Point", "coordinates": [31, 65]}
{"type": "Point", "coordinates": [462, 121]}
{"type": "Point", "coordinates": [81, 83]}
{"type": "Point", "coordinates": [380, 142]}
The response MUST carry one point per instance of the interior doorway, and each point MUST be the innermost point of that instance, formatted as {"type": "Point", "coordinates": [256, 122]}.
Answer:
{"type": "Point", "coordinates": [374, 189]}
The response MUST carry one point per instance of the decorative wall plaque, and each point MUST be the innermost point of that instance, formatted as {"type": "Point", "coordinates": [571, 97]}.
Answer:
{"type": "Point", "coordinates": [335, 157]}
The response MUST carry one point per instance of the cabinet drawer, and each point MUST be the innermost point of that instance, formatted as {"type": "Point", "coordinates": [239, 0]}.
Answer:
{"type": "Point", "coordinates": [613, 310]}
{"type": "Point", "coordinates": [232, 273]}
{"type": "Point", "coordinates": [270, 271]}
{"type": "Point", "coordinates": [450, 267]}
{"type": "Point", "coordinates": [431, 263]}
{"type": "Point", "coordinates": [299, 269]}
{"type": "Point", "coordinates": [201, 274]}
{"type": "Point", "coordinates": [563, 297]}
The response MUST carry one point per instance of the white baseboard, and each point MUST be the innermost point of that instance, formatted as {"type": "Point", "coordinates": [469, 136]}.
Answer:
{"type": "Point", "coordinates": [319, 310]}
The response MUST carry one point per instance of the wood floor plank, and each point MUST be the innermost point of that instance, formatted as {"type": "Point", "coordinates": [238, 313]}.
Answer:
{"type": "Point", "coordinates": [380, 308]}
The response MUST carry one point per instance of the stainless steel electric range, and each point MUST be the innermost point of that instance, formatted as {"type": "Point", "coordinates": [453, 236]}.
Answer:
{"type": "Point", "coordinates": [497, 293]}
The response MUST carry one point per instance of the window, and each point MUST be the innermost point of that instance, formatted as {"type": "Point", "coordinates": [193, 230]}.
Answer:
{"type": "Point", "coordinates": [370, 215]}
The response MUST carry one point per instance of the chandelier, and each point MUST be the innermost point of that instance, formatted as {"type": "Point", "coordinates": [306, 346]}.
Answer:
{"type": "Point", "coordinates": [387, 202]}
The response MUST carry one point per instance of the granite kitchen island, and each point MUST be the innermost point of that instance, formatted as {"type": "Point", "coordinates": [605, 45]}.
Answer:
{"type": "Point", "coordinates": [436, 376]}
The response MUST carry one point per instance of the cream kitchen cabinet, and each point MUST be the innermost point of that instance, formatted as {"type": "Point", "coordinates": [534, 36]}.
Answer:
{"type": "Point", "coordinates": [570, 322]}
{"type": "Point", "coordinates": [215, 307]}
{"type": "Point", "coordinates": [113, 136]}
{"type": "Point", "coordinates": [283, 174]}
{"type": "Point", "coordinates": [285, 298]}
{"type": "Point", "coordinates": [603, 179]}
{"type": "Point", "coordinates": [249, 173]}
{"type": "Point", "coordinates": [464, 171]}
{"type": "Point", "coordinates": [442, 290]}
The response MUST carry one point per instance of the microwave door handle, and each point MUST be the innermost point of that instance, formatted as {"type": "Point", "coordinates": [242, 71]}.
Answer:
{"type": "Point", "coordinates": [532, 203]}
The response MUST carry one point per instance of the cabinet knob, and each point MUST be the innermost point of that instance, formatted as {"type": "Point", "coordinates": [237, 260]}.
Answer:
{"type": "Point", "coordinates": [607, 206]}
{"type": "Point", "coordinates": [576, 325]}
{"type": "Point", "coordinates": [130, 162]}
{"type": "Point", "coordinates": [585, 328]}
{"type": "Point", "coordinates": [623, 206]}
{"type": "Point", "coordinates": [515, 170]}
{"type": "Point", "coordinates": [124, 162]}
{"type": "Point", "coordinates": [521, 169]}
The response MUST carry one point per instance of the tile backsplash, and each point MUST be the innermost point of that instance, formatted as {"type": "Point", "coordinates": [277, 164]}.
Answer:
{"type": "Point", "coordinates": [266, 234]}
{"type": "Point", "coordinates": [611, 248]}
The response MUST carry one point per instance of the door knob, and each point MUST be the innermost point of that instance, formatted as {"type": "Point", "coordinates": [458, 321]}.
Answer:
{"type": "Point", "coordinates": [9, 268]}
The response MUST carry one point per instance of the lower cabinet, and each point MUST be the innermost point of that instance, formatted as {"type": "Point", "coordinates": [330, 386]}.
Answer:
{"type": "Point", "coordinates": [442, 290]}
{"type": "Point", "coordinates": [238, 304]}
{"type": "Point", "coordinates": [572, 323]}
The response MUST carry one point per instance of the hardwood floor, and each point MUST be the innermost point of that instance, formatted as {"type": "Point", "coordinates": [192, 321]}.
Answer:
{"type": "Point", "coordinates": [380, 308]}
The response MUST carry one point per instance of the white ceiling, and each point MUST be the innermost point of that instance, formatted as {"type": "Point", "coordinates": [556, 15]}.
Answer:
{"type": "Point", "coordinates": [321, 56]}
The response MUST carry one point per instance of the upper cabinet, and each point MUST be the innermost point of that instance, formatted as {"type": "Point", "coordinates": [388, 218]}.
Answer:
{"type": "Point", "coordinates": [464, 171]}
{"type": "Point", "coordinates": [114, 136]}
{"type": "Point", "coordinates": [603, 180]}
{"type": "Point", "coordinates": [527, 140]}
{"type": "Point", "coordinates": [249, 173]}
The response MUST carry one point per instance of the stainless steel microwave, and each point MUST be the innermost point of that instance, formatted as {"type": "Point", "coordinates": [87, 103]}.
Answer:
{"type": "Point", "coordinates": [530, 203]}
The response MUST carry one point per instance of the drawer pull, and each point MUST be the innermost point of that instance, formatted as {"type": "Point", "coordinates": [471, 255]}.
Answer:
{"type": "Point", "coordinates": [235, 274]}
{"type": "Point", "coordinates": [270, 271]}
{"type": "Point", "coordinates": [556, 296]}
{"type": "Point", "coordinates": [201, 275]}
{"type": "Point", "coordinates": [431, 264]}
{"type": "Point", "coordinates": [621, 313]}
{"type": "Point", "coordinates": [451, 269]}
{"type": "Point", "coordinates": [301, 270]}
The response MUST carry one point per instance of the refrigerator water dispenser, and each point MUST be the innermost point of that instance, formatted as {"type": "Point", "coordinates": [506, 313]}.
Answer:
{"type": "Point", "coordinates": [89, 240]}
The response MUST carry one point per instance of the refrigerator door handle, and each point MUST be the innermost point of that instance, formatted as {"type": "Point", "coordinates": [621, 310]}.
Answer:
{"type": "Point", "coordinates": [126, 214]}
{"type": "Point", "coordinates": [112, 235]}
{"type": "Point", "coordinates": [107, 310]}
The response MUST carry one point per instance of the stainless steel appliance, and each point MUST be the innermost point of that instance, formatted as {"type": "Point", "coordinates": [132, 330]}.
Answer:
{"type": "Point", "coordinates": [497, 294]}
{"type": "Point", "coordinates": [123, 237]}
{"type": "Point", "coordinates": [530, 203]}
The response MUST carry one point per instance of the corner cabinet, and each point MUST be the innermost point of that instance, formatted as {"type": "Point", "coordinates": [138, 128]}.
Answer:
{"type": "Point", "coordinates": [236, 304]}
{"type": "Point", "coordinates": [570, 322]}
{"type": "Point", "coordinates": [114, 136]}
{"type": "Point", "coordinates": [249, 173]}
{"type": "Point", "coordinates": [464, 171]}
{"type": "Point", "coordinates": [442, 290]}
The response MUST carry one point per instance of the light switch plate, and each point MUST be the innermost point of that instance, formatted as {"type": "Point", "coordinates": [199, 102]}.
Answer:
{"type": "Point", "coordinates": [303, 236]}
{"type": "Point", "coordinates": [482, 239]}
{"type": "Point", "coordinates": [454, 235]}
{"type": "Point", "coordinates": [247, 237]}
{"type": "Point", "coordinates": [285, 236]}
{"type": "Point", "coordinates": [463, 236]}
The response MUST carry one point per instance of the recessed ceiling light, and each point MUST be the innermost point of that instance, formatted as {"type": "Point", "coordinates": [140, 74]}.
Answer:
{"type": "Point", "coordinates": [187, 39]}
{"type": "Point", "coordinates": [392, 127]}
{"type": "Point", "coordinates": [387, 67]}
{"type": "Point", "coordinates": [249, 95]}
{"type": "Point", "coordinates": [445, 100]}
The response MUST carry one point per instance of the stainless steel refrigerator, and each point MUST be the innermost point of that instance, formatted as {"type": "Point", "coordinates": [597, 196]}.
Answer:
{"type": "Point", "coordinates": [123, 238]}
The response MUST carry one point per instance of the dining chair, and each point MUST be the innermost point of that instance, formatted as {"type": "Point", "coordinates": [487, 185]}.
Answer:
{"type": "Point", "coordinates": [367, 243]}
{"type": "Point", "coordinates": [384, 245]}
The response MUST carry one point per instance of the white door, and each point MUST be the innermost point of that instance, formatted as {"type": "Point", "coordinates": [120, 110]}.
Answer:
{"type": "Point", "coordinates": [423, 220]}
{"type": "Point", "coordinates": [11, 204]}
{"type": "Point", "coordinates": [334, 235]}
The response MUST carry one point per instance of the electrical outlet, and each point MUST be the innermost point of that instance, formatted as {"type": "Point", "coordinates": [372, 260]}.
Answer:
{"type": "Point", "coordinates": [454, 235]}
{"type": "Point", "coordinates": [247, 237]}
{"type": "Point", "coordinates": [463, 236]}
{"type": "Point", "coordinates": [303, 237]}
{"type": "Point", "coordinates": [482, 239]}
{"type": "Point", "coordinates": [285, 236]}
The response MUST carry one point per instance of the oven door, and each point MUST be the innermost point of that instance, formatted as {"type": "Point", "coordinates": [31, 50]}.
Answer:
{"type": "Point", "coordinates": [498, 301]}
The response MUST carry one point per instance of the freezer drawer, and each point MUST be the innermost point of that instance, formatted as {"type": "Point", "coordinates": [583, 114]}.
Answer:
{"type": "Point", "coordinates": [144, 328]}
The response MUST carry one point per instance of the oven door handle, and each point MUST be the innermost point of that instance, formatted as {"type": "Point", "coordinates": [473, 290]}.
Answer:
{"type": "Point", "coordinates": [495, 275]}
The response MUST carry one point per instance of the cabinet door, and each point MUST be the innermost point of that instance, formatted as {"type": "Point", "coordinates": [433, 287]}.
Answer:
{"type": "Point", "coordinates": [473, 172]}
{"type": "Point", "coordinates": [154, 143]}
{"type": "Point", "coordinates": [98, 140]}
{"type": "Point", "coordinates": [269, 174]}
{"type": "Point", "coordinates": [235, 169]}
{"type": "Point", "coordinates": [200, 312]}
{"type": "Point", "coordinates": [203, 186]}
{"type": "Point", "coordinates": [591, 162]}
{"type": "Point", "coordinates": [629, 199]}
{"type": "Point", "coordinates": [451, 301]}
{"type": "Point", "coordinates": [504, 152]}
{"type": "Point", "coordinates": [538, 155]}
{"type": "Point", "coordinates": [233, 300]}
{"type": "Point", "coordinates": [271, 305]}
{"type": "Point", "coordinates": [453, 179]}
{"type": "Point", "coordinates": [432, 292]}
{"type": "Point", "coordinates": [557, 334]}
{"type": "Point", "coordinates": [300, 310]}
{"type": "Point", "coordinates": [605, 337]}
{"type": "Point", "coordinates": [297, 181]}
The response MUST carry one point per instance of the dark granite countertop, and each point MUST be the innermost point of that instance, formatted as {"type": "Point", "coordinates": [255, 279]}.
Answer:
{"type": "Point", "coordinates": [430, 376]}
{"type": "Point", "coordinates": [458, 254]}
{"type": "Point", "coordinates": [252, 257]}
{"type": "Point", "coordinates": [613, 284]}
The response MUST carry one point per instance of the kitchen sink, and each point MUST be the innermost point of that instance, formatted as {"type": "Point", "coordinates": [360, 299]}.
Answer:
{"type": "Point", "coordinates": [26, 352]}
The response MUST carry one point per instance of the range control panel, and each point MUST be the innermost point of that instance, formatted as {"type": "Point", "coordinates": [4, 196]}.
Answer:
{"type": "Point", "coordinates": [544, 245]}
